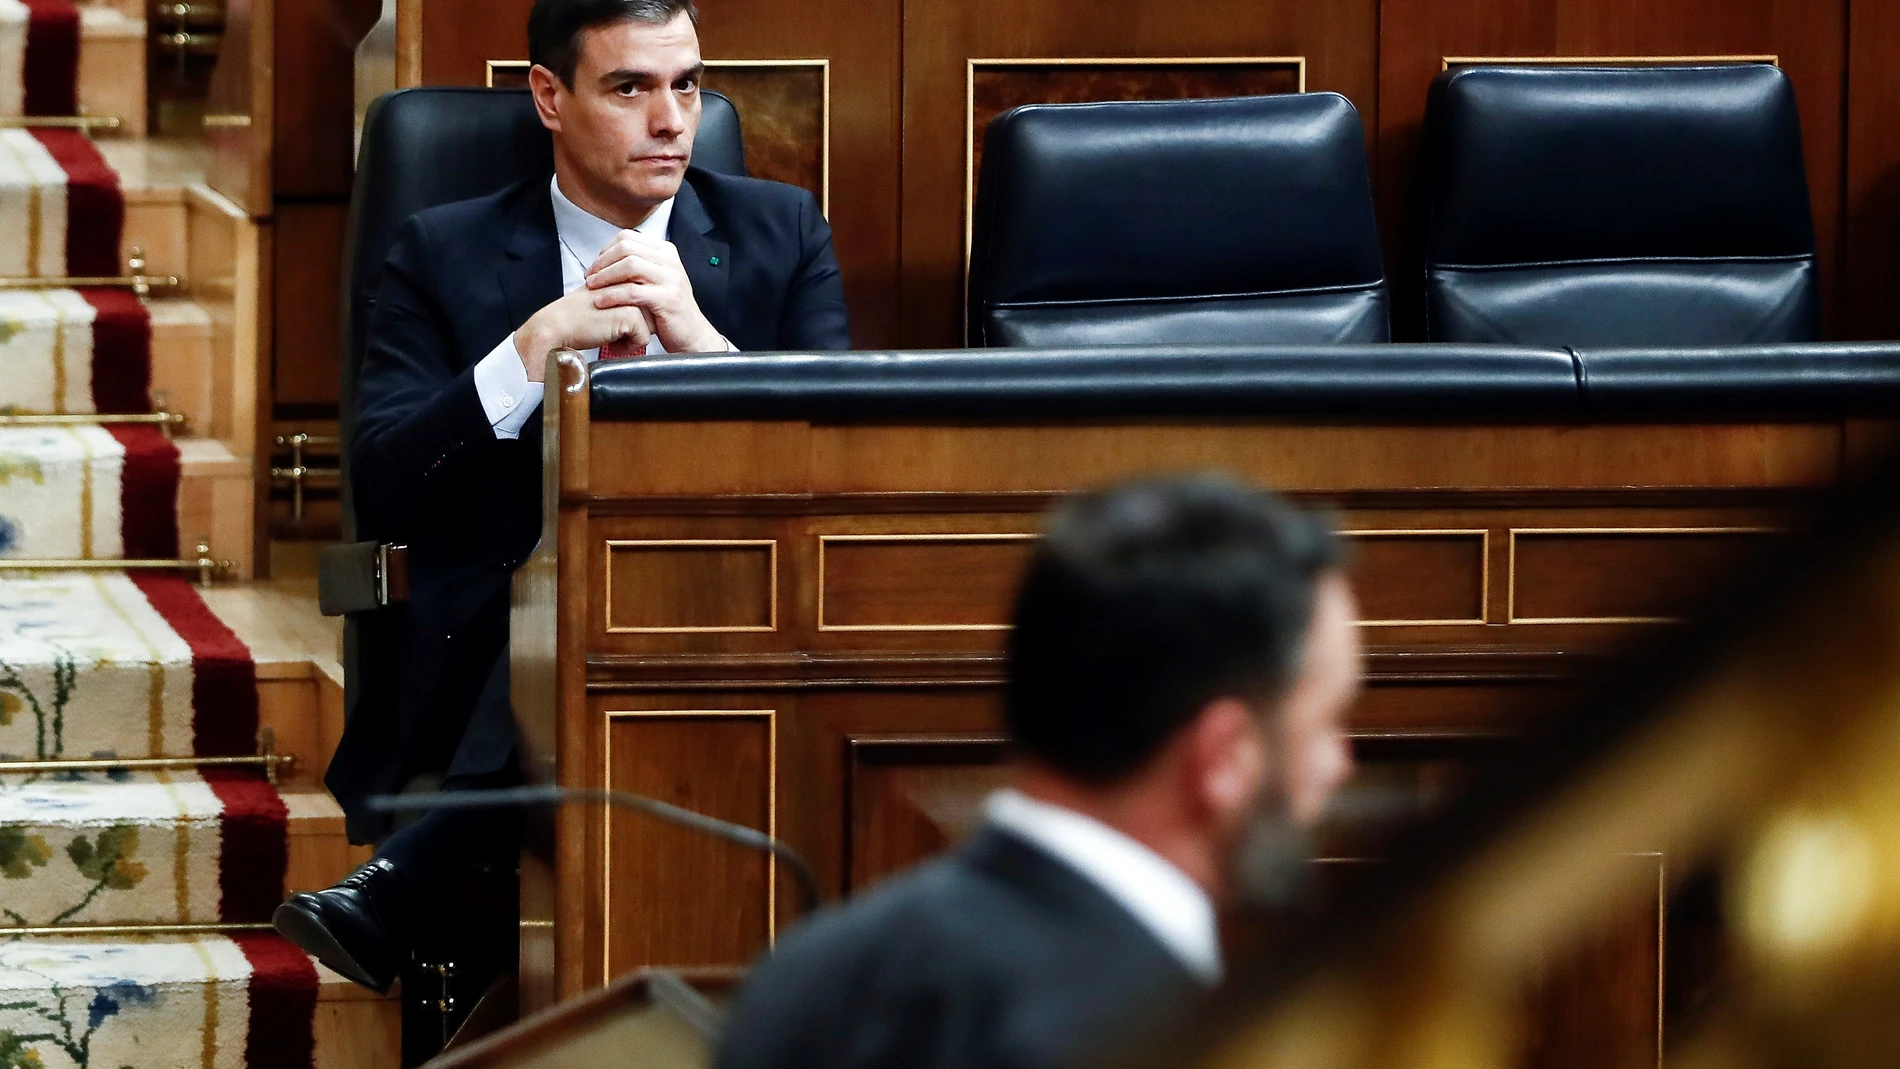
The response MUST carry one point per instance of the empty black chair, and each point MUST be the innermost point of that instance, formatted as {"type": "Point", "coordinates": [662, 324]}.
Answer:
{"type": "Point", "coordinates": [1237, 221]}
{"type": "Point", "coordinates": [1617, 206]}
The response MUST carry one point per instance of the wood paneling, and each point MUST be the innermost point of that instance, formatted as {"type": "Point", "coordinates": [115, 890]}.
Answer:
{"type": "Point", "coordinates": [1338, 39]}
{"type": "Point", "coordinates": [784, 118]}
{"type": "Point", "coordinates": [1416, 36]}
{"type": "Point", "coordinates": [1871, 238]}
{"type": "Point", "coordinates": [1614, 576]}
{"type": "Point", "coordinates": [1410, 577]}
{"type": "Point", "coordinates": [1598, 1000]}
{"type": "Point", "coordinates": [918, 582]}
{"type": "Point", "coordinates": [911, 797]}
{"type": "Point", "coordinates": [708, 585]}
{"type": "Point", "coordinates": [307, 284]}
{"type": "Point", "coordinates": [650, 752]}
{"type": "Point", "coordinates": [313, 143]}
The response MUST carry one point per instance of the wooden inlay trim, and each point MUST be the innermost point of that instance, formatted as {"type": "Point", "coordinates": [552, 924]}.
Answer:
{"type": "Point", "coordinates": [826, 570]}
{"type": "Point", "coordinates": [609, 546]}
{"type": "Point", "coordinates": [1512, 577]}
{"type": "Point", "coordinates": [770, 716]}
{"type": "Point", "coordinates": [1483, 538]}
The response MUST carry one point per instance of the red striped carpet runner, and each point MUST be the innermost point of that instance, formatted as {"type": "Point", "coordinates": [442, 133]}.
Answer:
{"type": "Point", "coordinates": [113, 664]}
{"type": "Point", "coordinates": [39, 57]}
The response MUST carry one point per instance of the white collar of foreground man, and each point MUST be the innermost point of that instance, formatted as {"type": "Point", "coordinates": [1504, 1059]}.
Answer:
{"type": "Point", "coordinates": [1160, 896]}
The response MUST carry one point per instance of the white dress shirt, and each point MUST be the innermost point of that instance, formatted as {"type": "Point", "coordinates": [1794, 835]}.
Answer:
{"type": "Point", "coordinates": [501, 379]}
{"type": "Point", "coordinates": [1160, 896]}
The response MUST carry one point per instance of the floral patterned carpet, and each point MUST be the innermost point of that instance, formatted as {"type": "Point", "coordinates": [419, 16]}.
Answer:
{"type": "Point", "coordinates": [100, 865]}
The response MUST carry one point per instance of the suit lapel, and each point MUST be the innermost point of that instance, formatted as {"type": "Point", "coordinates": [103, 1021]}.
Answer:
{"type": "Point", "coordinates": [530, 271]}
{"type": "Point", "coordinates": [707, 259]}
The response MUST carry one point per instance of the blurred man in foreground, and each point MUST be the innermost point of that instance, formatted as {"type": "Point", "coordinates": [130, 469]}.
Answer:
{"type": "Point", "coordinates": [1182, 658]}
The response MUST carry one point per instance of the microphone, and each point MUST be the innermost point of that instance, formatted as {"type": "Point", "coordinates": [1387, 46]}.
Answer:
{"type": "Point", "coordinates": [551, 794]}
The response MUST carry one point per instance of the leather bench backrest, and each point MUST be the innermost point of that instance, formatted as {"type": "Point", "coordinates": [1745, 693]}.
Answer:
{"type": "Point", "coordinates": [1617, 206]}
{"type": "Point", "coordinates": [1235, 221]}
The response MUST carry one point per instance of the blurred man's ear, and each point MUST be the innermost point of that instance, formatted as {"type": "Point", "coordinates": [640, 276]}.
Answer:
{"type": "Point", "coordinates": [546, 86]}
{"type": "Point", "coordinates": [1227, 761]}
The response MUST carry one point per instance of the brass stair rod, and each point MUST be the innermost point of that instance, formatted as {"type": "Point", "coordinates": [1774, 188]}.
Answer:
{"type": "Point", "coordinates": [204, 564]}
{"type": "Point", "coordinates": [209, 928]}
{"type": "Point", "coordinates": [61, 122]}
{"type": "Point", "coordinates": [135, 279]}
{"type": "Point", "coordinates": [272, 763]}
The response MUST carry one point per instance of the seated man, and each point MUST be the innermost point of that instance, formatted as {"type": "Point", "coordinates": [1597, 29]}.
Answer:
{"type": "Point", "coordinates": [624, 250]}
{"type": "Point", "coordinates": [1182, 658]}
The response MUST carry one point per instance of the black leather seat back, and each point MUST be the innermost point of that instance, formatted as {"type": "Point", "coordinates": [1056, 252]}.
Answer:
{"type": "Point", "coordinates": [1617, 206]}
{"type": "Point", "coordinates": [430, 146]}
{"type": "Point", "coordinates": [1238, 221]}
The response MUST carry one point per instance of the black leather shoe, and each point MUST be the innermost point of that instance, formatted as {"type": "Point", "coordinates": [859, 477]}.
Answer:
{"type": "Point", "coordinates": [348, 927]}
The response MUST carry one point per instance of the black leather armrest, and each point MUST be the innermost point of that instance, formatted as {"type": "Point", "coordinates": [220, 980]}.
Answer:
{"type": "Point", "coordinates": [1335, 381]}
{"type": "Point", "coordinates": [1821, 379]}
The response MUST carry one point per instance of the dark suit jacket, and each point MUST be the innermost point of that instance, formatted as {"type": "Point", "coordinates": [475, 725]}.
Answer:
{"type": "Point", "coordinates": [428, 471]}
{"type": "Point", "coordinates": [996, 956]}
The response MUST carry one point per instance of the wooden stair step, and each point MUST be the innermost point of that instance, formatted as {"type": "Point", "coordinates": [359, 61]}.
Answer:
{"type": "Point", "coordinates": [215, 495]}
{"type": "Point", "coordinates": [320, 852]}
{"type": "Point", "coordinates": [112, 66]}
{"type": "Point", "coordinates": [299, 678]}
{"type": "Point", "coordinates": [156, 175]}
{"type": "Point", "coordinates": [182, 366]}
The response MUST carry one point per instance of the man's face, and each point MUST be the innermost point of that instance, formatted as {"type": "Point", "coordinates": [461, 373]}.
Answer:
{"type": "Point", "coordinates": [1316, 756]}
{"type": "Point", "coordinates": [626, 126]}
{"type": "Point", "coordinates": [1299, 754]}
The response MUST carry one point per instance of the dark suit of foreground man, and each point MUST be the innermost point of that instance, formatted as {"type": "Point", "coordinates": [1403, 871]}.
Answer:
{"type": "Point", "coordinates": [624, 250]}
{"type": "Point", "coordinates": [1182, 657]}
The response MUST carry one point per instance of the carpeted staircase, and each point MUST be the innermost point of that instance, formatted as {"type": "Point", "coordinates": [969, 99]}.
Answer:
{"type": "Point", "coordinates": [132, 897]}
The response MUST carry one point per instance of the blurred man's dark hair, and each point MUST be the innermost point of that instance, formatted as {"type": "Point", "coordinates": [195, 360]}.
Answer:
{"type": "Point", "coordinates": [1144, 602]}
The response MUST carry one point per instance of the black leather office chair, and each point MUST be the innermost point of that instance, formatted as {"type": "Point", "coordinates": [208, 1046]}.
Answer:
{"type": "Point", "coordinates": [1617, 206]}
{"type": "Point", "coordinates": [1237, 221]}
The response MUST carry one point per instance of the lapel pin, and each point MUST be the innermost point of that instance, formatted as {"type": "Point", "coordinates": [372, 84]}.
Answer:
{"type": "Point", "coordinates": [715, 261]}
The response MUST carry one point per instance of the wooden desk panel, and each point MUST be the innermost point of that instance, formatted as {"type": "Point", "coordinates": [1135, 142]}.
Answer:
{"type": "Point", "coordinates": [807, 625]}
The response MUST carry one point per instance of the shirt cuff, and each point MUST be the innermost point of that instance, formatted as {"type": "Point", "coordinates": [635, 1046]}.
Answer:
{"type": "Point", "coordinates": [508, 398]}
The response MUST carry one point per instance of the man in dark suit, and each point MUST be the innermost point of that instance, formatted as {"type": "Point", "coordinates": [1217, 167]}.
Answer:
{"type": "Point", "coordinates": [625, 250]}
{"type": "Point", "coordinates": [1182, 656]}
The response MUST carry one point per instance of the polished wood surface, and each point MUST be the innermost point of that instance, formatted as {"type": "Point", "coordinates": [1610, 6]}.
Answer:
{"type": "Point", "coordinates": [1870, 262]}
{"type": "Point", "coordinates": [306, 283]}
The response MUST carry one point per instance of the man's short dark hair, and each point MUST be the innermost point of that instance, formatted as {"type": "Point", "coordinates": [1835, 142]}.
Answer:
{"type": "Point", "coordinates": [555, 26]}
{"type": "Point", "coordinates": [1144, 602]}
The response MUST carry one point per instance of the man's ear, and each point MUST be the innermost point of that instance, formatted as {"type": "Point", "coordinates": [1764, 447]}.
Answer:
{"type": "Point", "coordinates": [1227, 758]}
{"type": "Point", "coordinates": [546, 87]}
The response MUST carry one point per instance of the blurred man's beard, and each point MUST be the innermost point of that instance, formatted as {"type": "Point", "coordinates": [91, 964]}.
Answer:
{"type": "Point", "coordinates": [1270, 867]}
